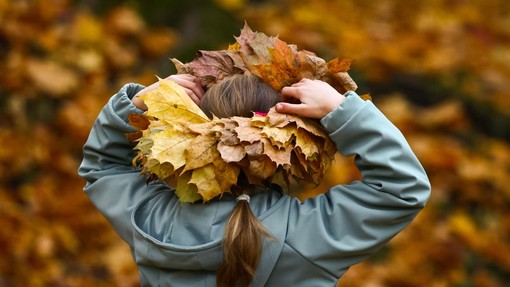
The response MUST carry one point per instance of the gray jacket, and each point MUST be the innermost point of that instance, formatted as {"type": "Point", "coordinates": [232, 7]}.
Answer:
{"type": "Point", "coordinates": [315, 241]}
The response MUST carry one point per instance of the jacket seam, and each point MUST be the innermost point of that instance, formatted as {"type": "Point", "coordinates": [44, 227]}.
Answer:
{"type": "Point", "coordinates": [309, 261]}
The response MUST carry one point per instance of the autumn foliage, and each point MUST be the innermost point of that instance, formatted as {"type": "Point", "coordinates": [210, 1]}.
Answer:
{"type": "Point", "coordinates": [177, 142]}
{"type": "Point", "coordinates": [438, 69]}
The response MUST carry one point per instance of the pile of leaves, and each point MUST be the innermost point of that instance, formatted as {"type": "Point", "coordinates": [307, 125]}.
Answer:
{"type": "Point", "coordinates": [271, 59]}
{"type": "Point", "coordinates": [180, 143]}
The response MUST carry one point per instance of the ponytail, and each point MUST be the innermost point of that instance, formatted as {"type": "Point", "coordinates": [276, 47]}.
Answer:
{"type": "Point", "coordinates": [242, 246]}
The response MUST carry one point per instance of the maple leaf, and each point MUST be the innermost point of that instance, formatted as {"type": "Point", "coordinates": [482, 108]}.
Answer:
{"type": "Point", "coordinates": [277, 63]}
{"type": "Point", "coordinates": [228, 135]}
{"type": "Point", "coordinates": [139, 122]}
{"type": "Point", "coordinates": [280, 136]}
{"type": "Point", "coordinates": [311, 66]}
{"type": "Point", "coordinates": [170, 146]}
{"type": "Point", "coordinates": [259, 169]}
{"type": "Point", "coordinates": [245, 131]}
{"type": "Point", "coordinates": [253, 46]}
{"type": "Point", "coordinates": [226, 174]}
{"type": "Point", "coordinates": [305, 143]}
{"type": "Point", "coordinates": [338, 65]}
{"type": "Point", "coordinates": [170, 103]}
{"type": "Point", "coordinates": [280, 156]}
{"type": "Point", "coordinates": [231, 153]}
{"type": "Point", "coordinates": [254, 149]}
{"type": "Point", "coordinates": [282, 69]}
{"type": "Point", "coordinates": [206, 155]}
{"type": "Point", "coordinates": [200, 152]}
{"type": "Point", "coordinates": [212, 66]}
{"type": "Point", "coordinates": [204, 178]}
{"type": "Point", "coordinates": [185, 191]}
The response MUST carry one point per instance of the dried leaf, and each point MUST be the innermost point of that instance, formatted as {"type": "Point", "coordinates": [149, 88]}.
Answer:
{"type": "Point", "coordinates": [274, 61]}
{"type": "Point", "coordinates": [207, 155]}
{"type": "Point", "coordinates": [200, 152]}
{"type": "Point", "coordinates": [305, 143]}
{"type": "Point", "coordinates": [170, 103]}
{"type": "Point", "coordinates": [185, 191]}
{"type": "Point", "coordinates": [231, 153]}
{"type": "Point", "coordinates": [212, 66]}
{"type": "Point", "coordinates": [280, 156]}
{"type": "Point", "coordinates": [260, 168]}
{"type": "Point", "coordinates": [204, 178]}
{"type": "Point", "coordinates": [245, 131]}
{"type": "Point", "coordinates": [170, 146]}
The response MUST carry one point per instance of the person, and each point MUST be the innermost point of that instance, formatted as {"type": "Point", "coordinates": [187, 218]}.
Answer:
{"type": "Point", "coordinates": [257, 236]}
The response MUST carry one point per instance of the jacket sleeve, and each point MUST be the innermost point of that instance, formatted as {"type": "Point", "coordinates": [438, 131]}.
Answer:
{"type": "Point", "coordinates": [113, 185]}
{"type": "Point", "coordinates": [351, 222]}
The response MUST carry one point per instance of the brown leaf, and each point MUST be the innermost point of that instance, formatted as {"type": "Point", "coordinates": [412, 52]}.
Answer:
{"type": "Point", "coordinates": [139, 122]}
{"type": "Point", "coordinates": [254, 149]}
{"type": "Point", "coordinates": [231, 153]}
{"type": "Point", "coordinates": [200, 152]}
{"type": "Point", "coordinates": [280, 156]}
{"type": "Point", "coordinates": [226, 174]}
{"type": "Point", "coordinates": [338, 65]}
{"type": "Point", "coordinates": [311, 66]}
{"type": "Point", "coordinates": [345, 80]}
{"type": "Point", "coordinates": [212, 66]}
{"type": "Point", "coordinates": [245, 131]}
{"type": "Point", "coordinates": [260, 168]}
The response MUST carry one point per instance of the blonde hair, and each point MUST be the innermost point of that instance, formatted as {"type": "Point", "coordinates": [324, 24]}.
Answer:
{"type": "Point", "coordinates": [240, 95]}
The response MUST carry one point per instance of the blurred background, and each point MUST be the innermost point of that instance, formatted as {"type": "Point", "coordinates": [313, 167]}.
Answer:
{"type": "Point", "coordinates": [439, 69]}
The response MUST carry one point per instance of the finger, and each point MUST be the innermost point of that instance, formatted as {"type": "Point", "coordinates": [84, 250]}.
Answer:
{"type": "Point", "coordinates": [181, 76]}
{"type": "Point", "coordinates": [288, 108]}
{"type": "Point", "coordinates": [189, 83]}
{"type": "Point", "coordinates": [192, 95]}
{"type": "Point", "coordinates": [290, 92]}
{"type": "Point", "coordinates": [199, 89]}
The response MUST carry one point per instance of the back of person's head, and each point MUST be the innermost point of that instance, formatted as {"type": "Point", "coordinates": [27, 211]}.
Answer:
{"type": "Point", "coordinates": [240, 95]}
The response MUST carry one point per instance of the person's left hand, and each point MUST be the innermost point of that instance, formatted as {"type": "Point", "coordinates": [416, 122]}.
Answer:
{"type": "Point", "coordinates": [188, 82]}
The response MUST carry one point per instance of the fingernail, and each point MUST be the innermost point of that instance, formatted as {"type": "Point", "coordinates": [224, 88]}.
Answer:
{"type": "Point", "coordinates": [279, 107]}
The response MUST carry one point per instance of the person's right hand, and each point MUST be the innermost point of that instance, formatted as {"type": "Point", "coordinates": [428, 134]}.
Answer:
{"type": "Point", "coordinates": [188, 82]}
{"type": "Point", "coordinates": [315, 99]}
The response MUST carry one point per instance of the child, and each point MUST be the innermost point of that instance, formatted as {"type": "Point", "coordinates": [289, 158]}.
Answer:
{"type": "Point", "coordinates": [256, 236]}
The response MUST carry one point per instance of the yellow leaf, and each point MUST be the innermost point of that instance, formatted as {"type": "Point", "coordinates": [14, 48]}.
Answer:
{"type": "Point", "coordinates": [170, 145]}
{"type": "Point", "coordinates": [280, 136]}
{"type": "Point", "coordinates": [162, 171]}
{"type": "Point", "coordinates": [170, 103]}
{"type": "Point", "coordinates": [185, 191]}
{"type": "Point", "coordinates": [226, 174]}
{"type": "Point", "coordinates": [306, 143]}
{"type": "Point", "coordinates": [200, 152]}
{"type": "Point", "coordinates": [204, 178]}
{"type": "Point", "coordinates": [258, 121]}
